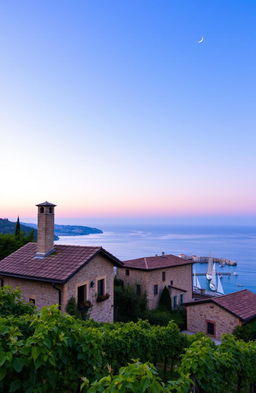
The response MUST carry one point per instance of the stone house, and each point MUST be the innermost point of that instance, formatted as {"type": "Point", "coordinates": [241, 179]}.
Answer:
{"type": "Point", "coordinates": [51, 274]}
{"type": "Point", "coordinates": [151, 274]}
{"type": "Point", "coordinates": [217, 315]}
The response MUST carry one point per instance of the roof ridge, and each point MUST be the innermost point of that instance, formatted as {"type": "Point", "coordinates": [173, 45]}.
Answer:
{"type": "Point", "coordinates": [232, 294]}
{"type": "Point", "coordinates": [76, 245]}
{"type": "Point", "coordinates": [146, 263]}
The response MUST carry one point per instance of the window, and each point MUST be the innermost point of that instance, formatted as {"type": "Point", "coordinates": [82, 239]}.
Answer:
{"type": "Point", "coordinates": [101, 287]}
{"type": "Point", "coordinates": [181, 299]}
{"type": "Point", "coordinates": [32, 300]}
{"type": "Point", "coordinates": [41, 209]}
{"type": "Point", "coordinates": [171, 282]}
{"type": "Point", "coordinates": [211, 328]}
{"type": "Point", "coordinates": [155, 289]}
{"type": "Point", "coordinates": [50, 210]}
{"type": "Point", "coordinates": [81, 294]}
{"type": "Point", "coordinates": [127, 272]}
{"type": "Point", "coordinates": [138, 290]}
{"type": "Point", "coordinates": [174, 302]}
{"type": "Point", "coordinates": [163, 276]}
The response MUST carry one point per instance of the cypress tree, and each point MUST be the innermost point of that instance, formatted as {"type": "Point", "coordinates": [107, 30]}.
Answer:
{"type": "Point", "coordinates": [165, 300]}
{"type": "Point", "coordinates": [17, 229]}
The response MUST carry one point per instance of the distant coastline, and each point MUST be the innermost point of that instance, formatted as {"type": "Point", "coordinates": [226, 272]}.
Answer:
{"type": "Point", "coordinates": [70, 230]}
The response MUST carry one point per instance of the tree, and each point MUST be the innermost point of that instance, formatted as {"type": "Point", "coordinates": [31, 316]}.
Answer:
{"type": "Point", "coordinates": [165, 300]}
{"type": "Point", "coordinates": [17, 229]}
{"type": "Point", "coordinates": [10, 243]}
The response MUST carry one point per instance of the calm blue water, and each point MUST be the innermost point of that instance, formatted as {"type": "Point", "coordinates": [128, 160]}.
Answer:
{"type": "Point", "coordinates": [236, 243]}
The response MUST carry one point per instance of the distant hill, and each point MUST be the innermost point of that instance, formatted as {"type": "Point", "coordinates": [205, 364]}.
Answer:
{"type": "Point", "coordinates": [7, 226]}
{"type": "Point", "coordinates": [69, 230]}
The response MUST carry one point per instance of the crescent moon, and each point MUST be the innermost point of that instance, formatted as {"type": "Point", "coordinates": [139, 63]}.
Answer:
{"type": "Point", "coordinates": [200, 41]}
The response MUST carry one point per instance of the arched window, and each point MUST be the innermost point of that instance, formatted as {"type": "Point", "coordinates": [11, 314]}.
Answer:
{"type": "Point", "coordinates": [41, 210]}
{"type": "Point", "coordinates": [50, 210]}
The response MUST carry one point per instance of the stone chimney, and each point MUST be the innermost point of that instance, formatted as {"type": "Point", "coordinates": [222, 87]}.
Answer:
{"type": "Point", "coordinates": [45, 229]}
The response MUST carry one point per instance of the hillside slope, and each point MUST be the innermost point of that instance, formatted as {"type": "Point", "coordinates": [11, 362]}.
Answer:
{"type": "Point", "coordinates": [70, 230]}
{"type": "Point", "coordinates": [7, 226]}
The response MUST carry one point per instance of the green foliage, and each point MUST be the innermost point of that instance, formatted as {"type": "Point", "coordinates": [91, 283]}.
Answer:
{"type": "Point", "coordinates": [162, 317]}
{"type": "Point", "coordinates": [48, 354]}
{"type": "Point", "coordinates": [134, 378]}
{"type": "Point", "coordinates": [81, 312]}
{"type": "Point", "coordinates": [12, 304]}
{"type": "Point", "coordinates": [226, 368]}
{"type": "Point", "coordinates": [246, 332]}
{"type": "Point", "coordinates": [72, 309]}
{"type": "Point", "coordinates": [131, 307]}
{"type": "Point", "coordinates": [128, 305]}
{"type": "Point", "coordinates": [165, 300]}
{"type": "Point", "coordinates": [118, 282]}
{"type": "Point", "coordinates": [10, 243]}
{"type": "Point", "coordinates": [125, 341]}
{"type": "Point", "coordinates": [51, 352]}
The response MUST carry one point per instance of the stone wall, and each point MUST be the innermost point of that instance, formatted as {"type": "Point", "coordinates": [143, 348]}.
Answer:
{"type": "Point", "coordinates": [198, 316]}
{"type": "Point", "coordinates": [43, 293]}
{"type": "Point", "coordinates": [98, 268]}
{"type": "Point", "coordinates": [178, 276]}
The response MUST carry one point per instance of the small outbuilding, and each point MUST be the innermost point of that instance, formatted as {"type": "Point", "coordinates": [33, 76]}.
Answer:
{"type": "Point", "coordinates": [218, 315]}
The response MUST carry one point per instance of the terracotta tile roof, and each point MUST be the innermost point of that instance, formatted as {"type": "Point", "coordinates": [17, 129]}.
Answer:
{"type": "Point", "coordinates": [242, 304]}
{"type": "Point", "coordinates": [157, 262]}
{"type": "Point", "coordinates": [58, 266]}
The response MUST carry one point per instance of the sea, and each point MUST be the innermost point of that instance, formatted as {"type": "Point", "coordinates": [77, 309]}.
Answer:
{"type": "Point", "coordinates": [235, 243]}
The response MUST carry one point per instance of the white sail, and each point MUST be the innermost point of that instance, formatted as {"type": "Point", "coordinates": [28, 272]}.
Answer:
{"type": "Point", "coordinates": [194, 276]}
{"type": "Point", "coordinates": [198, 285]}
{"type": "Point", "coordinates": [213, 286]}
{"type": "Point", "coordinates": [220, 287]}
{"type": "Point", "coordinates": [209, 270]}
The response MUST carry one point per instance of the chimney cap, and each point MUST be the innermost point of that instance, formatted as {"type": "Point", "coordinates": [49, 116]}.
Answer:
{"type": "Point", "coordinates": [46, 204]}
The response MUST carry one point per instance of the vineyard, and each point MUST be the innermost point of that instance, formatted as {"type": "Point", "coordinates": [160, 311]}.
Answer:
{"type": "Point", "coordinates": [51, 352]}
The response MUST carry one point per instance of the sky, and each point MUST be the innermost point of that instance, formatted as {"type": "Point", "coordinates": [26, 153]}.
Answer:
{"type": "Point", "coordinates": [112, 109]}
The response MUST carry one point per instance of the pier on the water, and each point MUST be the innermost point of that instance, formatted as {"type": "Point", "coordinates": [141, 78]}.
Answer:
{"type": "Point", "coordinates": [218, 273]}
{"type": "Point", "coordinates": [198, 259]}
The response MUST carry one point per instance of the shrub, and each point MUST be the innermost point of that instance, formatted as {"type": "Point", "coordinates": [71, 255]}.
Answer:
{"type": "Point", "coordinates": [81, 311]}
{"type": "Point", "coordinates": [11, 303]}
{"type": "Point", "coordinates": [128, 305]}
{"type": "Point", "coordinates": [118, 282]}
{"type": "Point", "coordinates": [71, 308]}
{"type": "Point", "coordinates": [246, 332]}
{"type": "Point", "coordinates": [162, 317]}
{"type": "Point", "coordinates": [165, 300]}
